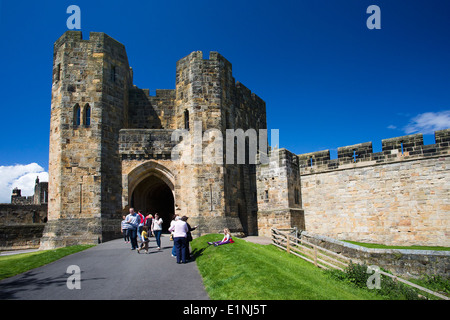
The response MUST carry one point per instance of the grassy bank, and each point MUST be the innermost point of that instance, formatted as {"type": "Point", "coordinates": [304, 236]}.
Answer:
{"type": "Point", "coordinates": [245, 270]}
{"type": "Point", "coordinates": [18, 263]}
{"type": "Point", "coordinates": [382, 246]}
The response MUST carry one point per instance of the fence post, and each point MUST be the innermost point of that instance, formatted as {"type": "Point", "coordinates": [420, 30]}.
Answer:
{"type": "Point", "coordinates": [315, 256]}
{"type": "Point", "coordinates": [287, 244]}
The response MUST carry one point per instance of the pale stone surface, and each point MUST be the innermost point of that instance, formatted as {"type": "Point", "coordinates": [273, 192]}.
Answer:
{"type": "Point", "coordinates": [397, 203]}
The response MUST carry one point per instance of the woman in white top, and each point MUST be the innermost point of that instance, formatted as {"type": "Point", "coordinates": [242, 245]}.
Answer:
{"type": "Point", "coordinates": [157, 229]}
{"type": "Point", "coordinates": [180, 230]}
{"type": "Point", "coordinates": [175, 218]}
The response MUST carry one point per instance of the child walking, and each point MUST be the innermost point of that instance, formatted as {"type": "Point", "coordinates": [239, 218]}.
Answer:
{"type": "Point", "coordinates": [145, 240]}
{"type": "Point", "coordinates": [124, 230]}
{"type": "Point", "coordinates": [226, 239]}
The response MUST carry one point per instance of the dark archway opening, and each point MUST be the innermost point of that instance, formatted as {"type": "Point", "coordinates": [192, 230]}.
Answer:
{"type": "Point", "coordinates": [153, 195]}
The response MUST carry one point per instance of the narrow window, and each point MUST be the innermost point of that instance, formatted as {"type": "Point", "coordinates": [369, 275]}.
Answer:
{"type": "Point", "coordinates": [296, 196]}
{"type": "Point", "coordinates": [186, 119]}
{"type": "Point", "coordinates": [113, 73]}
{"type": "Point", "coordinates": [266, 194]}
{"type": "Point", "coordinates": [77, 115]}
{"type": "Point", "coordinates": [87, 115]}
{"type": "Point", "coordinates": [354, 155]}
{"type": "Point", "coordinates": [401, 145]}
{"type": "Point", "coordinates": [58, 72]}
{"type": "Point", "coordinates": [310, 162]}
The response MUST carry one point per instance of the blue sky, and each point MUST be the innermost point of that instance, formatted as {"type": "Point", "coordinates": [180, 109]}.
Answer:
{"type": "Point", "coordinates": [328, 81]}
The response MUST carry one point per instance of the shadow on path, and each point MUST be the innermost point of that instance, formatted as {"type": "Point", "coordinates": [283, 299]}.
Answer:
{"type": "Point", "coordinates": [112, 271]}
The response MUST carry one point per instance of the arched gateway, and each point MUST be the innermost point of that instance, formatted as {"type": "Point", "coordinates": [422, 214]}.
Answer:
{"type": "Point", "coordinates": [112, 146]}
{"type": "Point", "coordinates": [150, 187]}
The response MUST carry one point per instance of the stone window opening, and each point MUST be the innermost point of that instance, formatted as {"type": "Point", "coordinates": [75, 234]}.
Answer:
{"type": "Point", "coordinates": [76, 115]}
{"type": "Point", "coordinates": [58, 72]}
{"type": "Point", "coordinates": [296, 196]}
{"type": "Point", "coordinates": [113, 73]}
{"type": "Point", "coordinates": [186, 119]}
{"type": "Point", "coordinates": [87, 115]}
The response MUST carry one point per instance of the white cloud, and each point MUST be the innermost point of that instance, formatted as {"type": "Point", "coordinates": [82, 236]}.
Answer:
{"type": "Point", "coordinates": [392, 127]}
{"type": "Point", "coordinates": [429, 122]}
{"type": "Point", "coordinates": [20, 176]}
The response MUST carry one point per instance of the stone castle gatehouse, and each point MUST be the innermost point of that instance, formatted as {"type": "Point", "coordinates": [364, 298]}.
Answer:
{"type": "Point", "coordinates": [112, 147]}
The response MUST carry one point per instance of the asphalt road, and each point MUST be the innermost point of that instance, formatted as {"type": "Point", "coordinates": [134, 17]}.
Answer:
{"type": "Point", "coordinates": [111, 271]}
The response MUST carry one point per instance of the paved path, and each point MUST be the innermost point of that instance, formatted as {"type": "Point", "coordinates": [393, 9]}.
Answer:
{"type": "Point", "coordinates": [111, 271]}
{"type": "Point", "coordinates": [258, 239]}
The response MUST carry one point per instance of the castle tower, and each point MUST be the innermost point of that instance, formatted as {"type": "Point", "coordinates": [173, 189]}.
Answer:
{"type": "Point", "coordinates": [89, 106]}
{"type": "Point", "coordinates": [202, 86]}
{"type": "Point", "coordinates": [208, 101]}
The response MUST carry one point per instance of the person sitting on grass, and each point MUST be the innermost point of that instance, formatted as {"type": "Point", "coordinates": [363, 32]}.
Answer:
{"type": "Point", "coordinates": [226, 239]}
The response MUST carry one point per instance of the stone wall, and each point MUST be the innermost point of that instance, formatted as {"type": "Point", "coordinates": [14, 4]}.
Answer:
{"type": "Point", "coordinates": [21, 226]}
{"type": "Point", "coordinates": [279, 197]}
{"type": "Point", "coordinates": [399, 196]}
{"type": "Point", "coordinates": [151, 112]}
{"type": "Point", "coordinates": [13, 214]}
{"type": "Point", "coordinates": [401, 262]}
{"type": "Point", "coordinates": [20, 237]}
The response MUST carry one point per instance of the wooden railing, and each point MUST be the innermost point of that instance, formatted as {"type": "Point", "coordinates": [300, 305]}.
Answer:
{"type": "Point", "coordinates": [310, 252]}
{"type": "Point", "coordinates": [327, 259]}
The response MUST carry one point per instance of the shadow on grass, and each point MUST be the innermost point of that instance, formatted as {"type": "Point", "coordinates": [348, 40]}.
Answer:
{"type": "Point", "coordinates": [196, 253]}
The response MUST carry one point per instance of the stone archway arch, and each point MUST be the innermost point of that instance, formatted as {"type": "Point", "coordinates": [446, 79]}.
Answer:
{"type": "Point", "coordinates": [150, 187]}
{"type": "Point", "coordinates": [144, 170]}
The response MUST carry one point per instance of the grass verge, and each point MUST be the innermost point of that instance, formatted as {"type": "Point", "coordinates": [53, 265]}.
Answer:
{"type": "Point", "coordinates": [18, 263]}
{"type": "Point", "coordinates": [382, 246]}
{"type": "Point", "coordinates": [248, 271]}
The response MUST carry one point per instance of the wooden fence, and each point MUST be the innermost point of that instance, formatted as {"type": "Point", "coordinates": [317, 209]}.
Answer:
{"type": "Point", "coordinates": [327, 259]}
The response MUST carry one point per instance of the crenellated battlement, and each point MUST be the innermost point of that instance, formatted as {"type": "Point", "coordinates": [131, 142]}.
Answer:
{"type": "Point", "coordinates": [394, 149]}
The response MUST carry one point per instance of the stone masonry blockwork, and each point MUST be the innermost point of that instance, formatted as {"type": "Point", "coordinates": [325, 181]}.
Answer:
{"type": "Point", "coordinates": [112, 147]}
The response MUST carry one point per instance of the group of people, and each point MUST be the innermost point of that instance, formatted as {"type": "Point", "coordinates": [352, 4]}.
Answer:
{"type": "Point", "coordinates": [181, 234]}
{"type": "Point", "coordinates": [135, 226]}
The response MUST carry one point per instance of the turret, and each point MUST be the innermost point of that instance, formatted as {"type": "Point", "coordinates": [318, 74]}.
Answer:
{"type": "Point", "coordinates": [89, 106]}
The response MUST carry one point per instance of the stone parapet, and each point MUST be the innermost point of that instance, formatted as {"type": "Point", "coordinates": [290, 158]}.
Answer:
{"type": "Point", "coordinates": [394, 149]}
{"type": "Point", "coordinates": [402, 262]}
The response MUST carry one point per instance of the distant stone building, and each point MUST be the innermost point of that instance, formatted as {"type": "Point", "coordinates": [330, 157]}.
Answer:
{"type": "Point", "coordinates": [40, 195]}
{"type": "Point", "coordinates": [114, 146]}
{"type": "Point", "coordinates": [22, 221]}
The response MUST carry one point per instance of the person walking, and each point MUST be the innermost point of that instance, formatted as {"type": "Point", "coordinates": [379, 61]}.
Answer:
{"type": "Point", "coordinates": [141, 224]}
{"type": "Point", "coordinates": [157, 229]}
{"type": "Point", "coordinates": [145, 240]}
{"type": "Point", "coordinates": [133, 220]}
{"type": "Point", "coordinates": [180, 230]}
{"type": "Point", "coordinates": [175, 217]}
{"type": "Point", "coordinates": [189, 239]}
{"type": "Point", "coordinates": [148, 222]}
{"type": "Point", "coordinates": [124, 230]}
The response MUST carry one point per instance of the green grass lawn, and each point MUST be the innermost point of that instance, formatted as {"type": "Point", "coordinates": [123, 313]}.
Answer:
{"type": "Point", "coordinates": [382, 246]}
{"type": "Point", "coordinates": [18, 263]}
{"type": "Point", "coordinates": [248, 271]}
